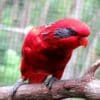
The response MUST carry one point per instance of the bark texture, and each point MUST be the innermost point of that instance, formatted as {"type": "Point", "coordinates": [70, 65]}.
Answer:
{"type": "Point", "coordinates": [85, 87]}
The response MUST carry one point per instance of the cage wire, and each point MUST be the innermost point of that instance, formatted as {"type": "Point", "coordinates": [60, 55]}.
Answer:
{"type": "Point", "coordinates": [16, 16]}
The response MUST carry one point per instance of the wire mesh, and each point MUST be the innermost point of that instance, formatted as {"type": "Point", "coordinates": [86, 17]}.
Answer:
{"type": "Point", "coordinates": [16, 15]}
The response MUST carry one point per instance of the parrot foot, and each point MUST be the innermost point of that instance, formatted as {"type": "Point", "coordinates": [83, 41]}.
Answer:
{"type": "Point", "coordinates": [15, 88]}
{"type": "Point", "coordinates": [49, 81]}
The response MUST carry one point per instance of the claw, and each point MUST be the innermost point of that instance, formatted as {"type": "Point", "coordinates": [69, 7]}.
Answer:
{"type": "Point", "coordinates": [15, 87]}
{"type": "Point", "coordinates": [49, 81]}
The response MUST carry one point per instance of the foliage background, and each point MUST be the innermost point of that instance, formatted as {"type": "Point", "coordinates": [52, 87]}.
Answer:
{"type": "Point", "coordinates": [17, 16]}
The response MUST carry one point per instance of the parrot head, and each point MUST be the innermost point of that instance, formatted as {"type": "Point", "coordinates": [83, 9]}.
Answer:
{"type": "Point", "coordinates": [68, 32]}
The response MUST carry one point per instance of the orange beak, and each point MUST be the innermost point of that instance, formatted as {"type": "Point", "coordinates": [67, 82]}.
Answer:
{"type": "Point", "coordinates": [84, 41]}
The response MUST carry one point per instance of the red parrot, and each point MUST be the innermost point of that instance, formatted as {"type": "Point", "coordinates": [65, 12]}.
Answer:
{"type": "Point", "coordinates": [47, 49]}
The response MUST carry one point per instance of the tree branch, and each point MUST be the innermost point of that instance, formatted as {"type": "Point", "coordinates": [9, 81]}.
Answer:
{"type": "Point", "coordinates": [85, 87]}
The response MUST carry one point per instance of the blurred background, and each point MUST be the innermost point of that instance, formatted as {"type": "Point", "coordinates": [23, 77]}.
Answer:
{"type": "Point", "coordinates": [18, 16]}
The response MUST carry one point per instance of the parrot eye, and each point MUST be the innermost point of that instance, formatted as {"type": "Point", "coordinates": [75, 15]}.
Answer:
{"type": "Point", "coordinates": [64, 32]}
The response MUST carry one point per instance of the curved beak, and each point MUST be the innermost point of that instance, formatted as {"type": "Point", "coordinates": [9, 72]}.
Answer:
{"type": "Point", "coordinates": [84, 41]}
